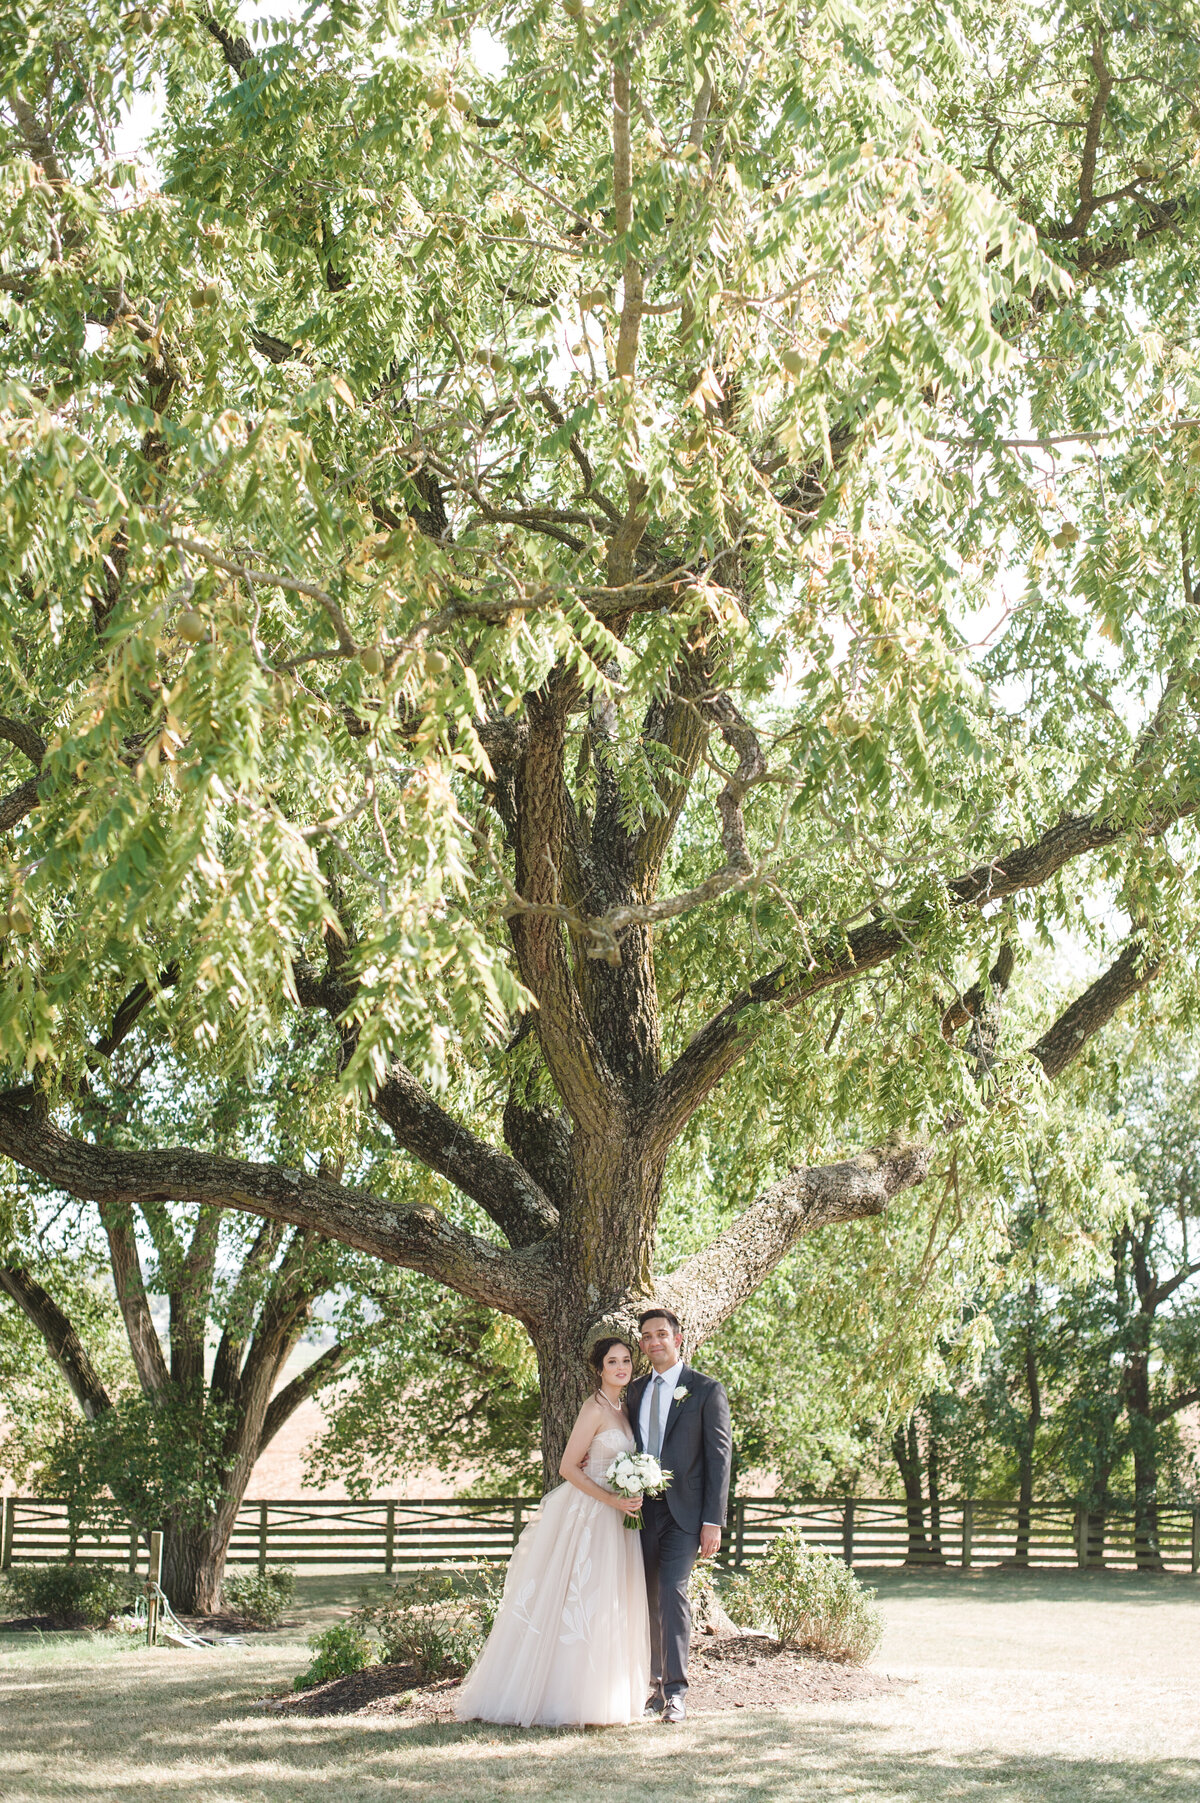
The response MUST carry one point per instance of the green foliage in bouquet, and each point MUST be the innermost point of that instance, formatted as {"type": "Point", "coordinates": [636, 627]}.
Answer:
{"type": "Point", "coordinates": [808, 1600]}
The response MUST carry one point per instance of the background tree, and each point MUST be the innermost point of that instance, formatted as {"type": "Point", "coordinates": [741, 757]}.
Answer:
{"type": "Point", "coordinates": [169, 1436]}
{"type": "Point", "coordinates": [489, 563]}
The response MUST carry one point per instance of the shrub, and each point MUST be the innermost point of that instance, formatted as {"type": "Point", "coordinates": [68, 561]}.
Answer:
{"type": "Point", "coordinates": [71, 1595]}
{"type": "Point", "coordinates": [429, 1624]}
{"type": "Point", "coordinates": [809, 1601]}
{"type": "Point", "coordinates": [338, 1651]}
{"type": "Point", "coordinates": [260, 1597]}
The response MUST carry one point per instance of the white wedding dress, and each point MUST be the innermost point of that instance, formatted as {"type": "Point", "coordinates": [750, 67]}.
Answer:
{"type": "Point", "coordinates": [571, 1641]}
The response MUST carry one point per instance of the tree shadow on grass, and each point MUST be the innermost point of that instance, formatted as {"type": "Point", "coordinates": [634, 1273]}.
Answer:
{"type": "Point", "coordinates": [173, 1732]}
{"type": "Point", "coordinates": [1000, 1584]}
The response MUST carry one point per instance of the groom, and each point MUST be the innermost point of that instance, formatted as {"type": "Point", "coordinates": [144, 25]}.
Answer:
{"type": "Point", "coordinates": [682, 1417]}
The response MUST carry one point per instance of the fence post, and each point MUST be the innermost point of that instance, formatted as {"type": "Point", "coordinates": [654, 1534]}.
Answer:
{"type": "Point", "coordinates": [10, 1510]}
{"type": "Point", "coordinates": [133, 1550]}
{"type": "Point", "coordinates": [848, 1531]}
{"type": "Point", "coordinates": [1081, 1535]}
{"type": "Point", "coordinates": [389, 1540]}
{"type": "Point", "coordinates": [153, 1582]}
{"type": "Point", "coordinates": [739, 1529]}
{"type": "Point", "coordinates": [262, 1537]}
{"type": "Point", "coordinates": [518, 1512]}
{"type": "Point", "coordinates": [968, 1534]}
{"type": "Point", "coordinates": [1195, 1542]}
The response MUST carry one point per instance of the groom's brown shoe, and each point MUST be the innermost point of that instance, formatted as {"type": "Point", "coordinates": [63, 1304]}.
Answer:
{"type": "Point", "coordinates": [674, 1710]}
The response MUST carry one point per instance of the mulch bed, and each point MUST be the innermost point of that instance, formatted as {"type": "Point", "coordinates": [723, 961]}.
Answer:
{"type": "Point", "coordinates": [746, 1673]}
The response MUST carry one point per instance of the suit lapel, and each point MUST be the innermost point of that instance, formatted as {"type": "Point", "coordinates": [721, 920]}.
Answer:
{"type": "Point", "coordinates": [635, 1409]}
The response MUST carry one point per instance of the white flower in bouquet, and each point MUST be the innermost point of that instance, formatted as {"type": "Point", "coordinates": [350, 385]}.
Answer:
{"type": "Point", "coordinates": [636, 1474]}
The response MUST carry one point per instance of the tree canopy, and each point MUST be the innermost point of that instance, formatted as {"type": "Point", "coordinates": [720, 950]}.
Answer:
{"type": "Point", "coordinates": [635, 587]}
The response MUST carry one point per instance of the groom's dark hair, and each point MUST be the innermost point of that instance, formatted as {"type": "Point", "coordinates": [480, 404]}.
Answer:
{"type": "Point", "coordinates": [659, 1314]}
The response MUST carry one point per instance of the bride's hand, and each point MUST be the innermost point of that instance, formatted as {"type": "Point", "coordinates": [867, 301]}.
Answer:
{"type": "Point", "coordinates": [628, 1505]}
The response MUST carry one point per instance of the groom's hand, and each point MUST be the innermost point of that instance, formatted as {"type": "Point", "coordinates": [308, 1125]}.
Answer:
{"type": "Point", "coordinates": [710, 1541]}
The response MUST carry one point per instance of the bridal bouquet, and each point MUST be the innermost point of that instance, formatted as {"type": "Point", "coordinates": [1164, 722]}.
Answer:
{"type": "Point", "coordinates": [636, 1474]}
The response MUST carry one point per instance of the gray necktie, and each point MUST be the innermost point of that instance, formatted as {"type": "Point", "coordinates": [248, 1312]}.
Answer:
{"type": "Point", "coordinates": [655, 1436]}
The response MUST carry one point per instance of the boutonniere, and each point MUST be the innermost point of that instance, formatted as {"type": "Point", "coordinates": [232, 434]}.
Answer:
{"type": "Point", "coordinates": [681, 1391]}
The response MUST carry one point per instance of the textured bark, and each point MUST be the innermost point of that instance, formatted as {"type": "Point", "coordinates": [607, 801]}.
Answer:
{"type": "Point", "coordinates": [418, 1237]}
{"type": "Point", "coordinates": [144, 1344]}
{"type": "Point", "coordinates": [706, 1288]}
{"type": "Point", "coordinates": [62, 1341]}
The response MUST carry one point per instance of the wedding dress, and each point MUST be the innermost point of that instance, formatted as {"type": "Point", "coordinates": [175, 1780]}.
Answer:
{"type": "Point", "coordinates": [571, 1640]}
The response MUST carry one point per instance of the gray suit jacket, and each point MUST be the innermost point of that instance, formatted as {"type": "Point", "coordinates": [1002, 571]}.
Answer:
{"type": "Point", "coordinates": [697, 1448]}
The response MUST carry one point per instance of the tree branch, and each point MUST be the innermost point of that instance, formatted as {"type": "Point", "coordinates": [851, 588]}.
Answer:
{"type": "Point", "coordinates": [62, 1341]}
{"type": "Point", "coordinates": [847, 955]}
{"type": "Point", "coordinates": [189, 1295]}
{"type": "Point", "coordinates": [305, 1384]}
{"type": "Point", "coordinates": [1133, 970]}
{"type": "Point", "coordinates": [500, 1186]}
{"type": "Point", "coordinates": [569, 1046]}
{"type": "Point", "coordinates": [707, 1288]}
{"type": "Point", "coordinates": [144, 1344]}
{"type": "Point", "coordinates": [238, 1314]}
{"type": "Point", "coordinates": [419, 1238]}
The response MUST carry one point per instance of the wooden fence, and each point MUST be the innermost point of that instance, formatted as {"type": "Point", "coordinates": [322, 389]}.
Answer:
{"type": "Point", "coordinates": [867, 1532]}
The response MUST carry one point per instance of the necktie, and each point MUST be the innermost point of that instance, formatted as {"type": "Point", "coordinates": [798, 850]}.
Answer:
{"type": "Point", "coordinates": [655, 1435]}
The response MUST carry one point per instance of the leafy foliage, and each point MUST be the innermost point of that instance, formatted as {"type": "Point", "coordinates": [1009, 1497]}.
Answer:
{"type": "Point", "coordinates": [338, 1652]}
{"type": "Point", "coordinates": [398, 459]}
{"type": "Point", "coordinates": [67, 1594]}
{"type": "Point", "coordinates": [260, 1597]}
{"type": "Point", "coordinates": [431, 1624]}
{"type": "Point", "coordinates": [808, 1599]}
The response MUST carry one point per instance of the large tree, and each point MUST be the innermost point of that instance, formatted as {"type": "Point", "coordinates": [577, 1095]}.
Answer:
{"type": "Point", "coordinates": [496, 563]}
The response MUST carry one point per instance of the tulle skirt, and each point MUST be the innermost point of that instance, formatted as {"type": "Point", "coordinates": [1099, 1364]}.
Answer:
{"type": "Point", "coordinates": [571, 1641]}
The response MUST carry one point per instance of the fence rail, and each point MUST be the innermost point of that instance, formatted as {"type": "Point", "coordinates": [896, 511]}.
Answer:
{"type": "Point", "coordinates": [390, 1536]}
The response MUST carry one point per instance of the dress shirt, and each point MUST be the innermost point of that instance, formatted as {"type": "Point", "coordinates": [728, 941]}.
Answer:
{"type": "Point", "coordinates": [666, 1397]}
{"type": "Point", "coordinates": [666, 1401]}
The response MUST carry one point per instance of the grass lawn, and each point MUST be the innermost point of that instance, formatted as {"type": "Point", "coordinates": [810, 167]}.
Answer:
{"type": "Point", "coordinates": [1054, 1688]}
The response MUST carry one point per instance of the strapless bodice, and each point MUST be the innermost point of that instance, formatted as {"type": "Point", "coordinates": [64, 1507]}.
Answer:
{"type": "Point", "coordinates": [607, 1445]}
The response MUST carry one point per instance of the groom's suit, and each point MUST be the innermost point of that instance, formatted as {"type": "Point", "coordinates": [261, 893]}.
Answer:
{"type": "Point", "coordinates": [696, 1449]}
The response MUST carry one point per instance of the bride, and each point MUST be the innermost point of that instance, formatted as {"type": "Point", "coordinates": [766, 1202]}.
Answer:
{"type": "Point", "coordinates": [571, 1641]}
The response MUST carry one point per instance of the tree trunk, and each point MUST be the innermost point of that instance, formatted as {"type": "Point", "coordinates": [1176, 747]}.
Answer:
{"type": "Point", "coordinates": [194, 1566]}
{"type": "Point", "coordinates": [603, 1275]}
{"type": "Point", "coordinates": [907, 1454]}
{"type": "Point", "coordinates": [1144, 1441]}
{"type": "Point", "coordinates": [933, 1472]}
{"type": "Point", "coordinates": [1026, 1450]}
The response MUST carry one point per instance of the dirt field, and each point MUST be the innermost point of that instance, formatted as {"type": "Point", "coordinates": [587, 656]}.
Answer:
{"type": "Point", "coordinates": [1058, 1688]}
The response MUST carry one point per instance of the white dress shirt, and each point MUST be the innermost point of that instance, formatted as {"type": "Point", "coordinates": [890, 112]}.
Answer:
{"type": "Point", "coordinates": [665, 1401]}
{"type": "Point", "coordinates": [666, 1397]}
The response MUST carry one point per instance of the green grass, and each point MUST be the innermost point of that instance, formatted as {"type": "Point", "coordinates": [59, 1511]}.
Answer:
{"type": "Point", "coordinates": [1028, 1689]}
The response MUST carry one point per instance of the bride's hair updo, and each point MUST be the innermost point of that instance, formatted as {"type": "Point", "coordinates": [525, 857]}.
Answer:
{"type": "Point", "coordinates": [601, 1350]}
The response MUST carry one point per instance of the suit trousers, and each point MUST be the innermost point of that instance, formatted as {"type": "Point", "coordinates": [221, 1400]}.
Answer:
{"type": "Point", "coordinates": [669, 1553]}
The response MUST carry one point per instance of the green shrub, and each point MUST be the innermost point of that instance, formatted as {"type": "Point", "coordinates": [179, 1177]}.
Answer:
{"type": "Point", "coordinates": [808, 1600]}
{"type": "Point", "coordinates": [339, 1651]}
{"type": "Point", "coordinates": [71, 1595]}
{"type": "Point", "coordinates": [430, 1624]}
{"type": "Point", "coordinates": [260, 1597]}
{"type": "Point", "coordinates": [487, 1594]}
